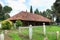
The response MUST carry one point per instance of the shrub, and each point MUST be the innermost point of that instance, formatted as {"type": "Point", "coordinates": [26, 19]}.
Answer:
{"type": "Point", "coordinates": [6, 25]}
{"type": "Point", "coordinates": [18, 23]}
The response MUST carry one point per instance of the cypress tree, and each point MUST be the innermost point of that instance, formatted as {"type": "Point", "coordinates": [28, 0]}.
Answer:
{"type": "Point", "coordinates": [31, 10]}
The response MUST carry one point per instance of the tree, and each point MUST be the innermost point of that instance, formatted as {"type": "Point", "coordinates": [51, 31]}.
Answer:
{"type": "Point", "coordinates": [7, 9]}
{"type": "Point", "coordinates": [1, 15]}
{"type": "Point", "coordinates": [0, 8]}
{"type": "Point", "coordinates": [6, 25]}
{"type": "Point", "coordinates": [48, 13]}
{"type": "Point", "coordinates": [44, 14]}
{"type": "Point", "coordinates": [6, 16]}
{"type": "Point", "coordinates": [56, 6]}
{"type": "Point", "coordinates": [31, 10]}
{"type": "Point", "coordinates": [41, 13]}
{"type": "Point", "coordinates": [4, 12]}
{"type": "Point", "coordinates": [18, 23]}
{"type": "Point", "coordinates": [36, 11]}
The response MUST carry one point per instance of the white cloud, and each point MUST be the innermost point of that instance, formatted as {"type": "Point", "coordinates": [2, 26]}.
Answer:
{"type": "Point", "coordinates": [17, 5]}
{"type": "Point", "coordinates": [1, 3]}
{"type": "Point", "coordinates": [14, 12]}
{"type": "Point", "coordinates": [42, 3]}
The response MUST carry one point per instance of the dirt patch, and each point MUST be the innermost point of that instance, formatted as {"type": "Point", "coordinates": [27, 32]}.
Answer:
{"type": "Point", "coordinates": [6, 37]}
{"type": "Point", "coordinates": [24, 36]}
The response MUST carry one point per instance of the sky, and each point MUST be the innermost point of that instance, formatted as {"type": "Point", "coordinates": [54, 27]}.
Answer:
{"type": "Point", "coordinates": [23, 5]}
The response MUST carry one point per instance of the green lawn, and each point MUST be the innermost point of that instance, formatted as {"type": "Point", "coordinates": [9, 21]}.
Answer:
{"type": "Point", "coordinates": [37, 33]}
{"type": "Point", "coordinates": [14, 36]}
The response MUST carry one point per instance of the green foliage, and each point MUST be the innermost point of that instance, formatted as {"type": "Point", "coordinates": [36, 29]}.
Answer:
{"type": "Point", "coordinates": [0, 8]}
{"type": "Point", "coordinates": [7, 9]}
{"type": "Point", "coordinates": [1, 15]}
{"type": "Point", "coordinates": [47, 13]}
{"type": "Point", "coordinates": [44, 14]}
{"type": "Point", "coordinates": [41, 13]}
{"type": "Point", "coordinates": [56, 10]}
{"type": "Point", "coordinates": [4, 11]}
{"type": "Point", "coordinates": [31, 10]}
{"type": "Point", "coordinates": [18, 23]}
{"type": "Point", "coordinates": [36, 11]}
{"type": "Point", "coordinates": [6, 16]}
{"type": "Point", "coordinates": [6, 25]}
{"type": "Point", "coordinates": [57, 20]}
{"type": "Point", "coordinates": [14, 36]}
{"type": "Point", "coordinates": [57, 6]}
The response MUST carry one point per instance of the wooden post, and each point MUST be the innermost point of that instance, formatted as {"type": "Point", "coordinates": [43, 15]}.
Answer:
{"type": "Point", "coordinates": [57, 35]}
{"type": "Point", "coordinates": [2, 36]}
{"type": "Point", "coordinates": [15, 25]}
{"type": "Point", "coordinates": [19, 30]}
{"type": "Point", "coordinates": [6, 31]}
{"type": "Point", "coordinates": [30, 32]}
{"type": "Point", "coordinates": [44, 29]}
{"type": "Point", "coordinates": [0, 24]}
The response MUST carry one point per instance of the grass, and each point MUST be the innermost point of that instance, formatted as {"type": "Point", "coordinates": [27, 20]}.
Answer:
{"type": "Point", "coordinates": [37, 33]}
{"type": "Point", "coordinates": [14, 36]}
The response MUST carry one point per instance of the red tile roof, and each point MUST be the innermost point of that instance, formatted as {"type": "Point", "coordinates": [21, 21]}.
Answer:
{"type": "Point", "coordinates": [29, 17]}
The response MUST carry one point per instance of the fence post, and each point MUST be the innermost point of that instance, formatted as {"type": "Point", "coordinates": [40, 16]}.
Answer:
{"type": "Point", "coordinates": [57, 35]}
{"type": "Point", "coordinates": [44, 29]}
{"type": "Point", "coordinates": [19, 30]}
{"type": "Point", "coordinates": [15, 25]}
{"type": "Point", "coordinates": [5, 31]}
{"type": "Point", "coordinates": [0, 24]}
{"type": "Point", "coordinates": [30, 32]}
{"type": "Point", "coordinates": [2, 36]}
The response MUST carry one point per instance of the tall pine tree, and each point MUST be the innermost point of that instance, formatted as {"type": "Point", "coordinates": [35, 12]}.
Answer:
{"type": "Point", "coordinates": [36, 11]}
{"type": "Point", "coordinates": [31, 10]}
